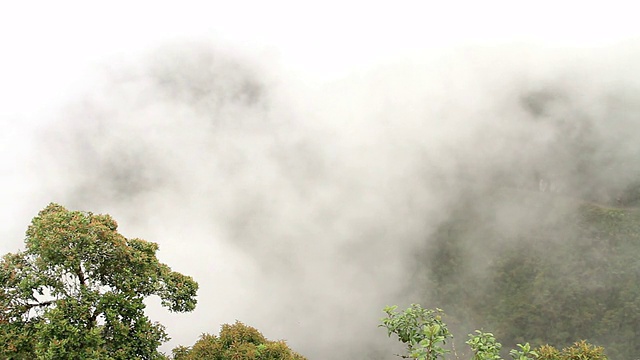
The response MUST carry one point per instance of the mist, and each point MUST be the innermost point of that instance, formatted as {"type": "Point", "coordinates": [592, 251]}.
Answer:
{"type": "Point", "coordinates": [300, 206]}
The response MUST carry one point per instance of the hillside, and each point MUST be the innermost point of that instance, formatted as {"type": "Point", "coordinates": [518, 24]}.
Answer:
{"type": "Point", "coordinates": [538, 267]}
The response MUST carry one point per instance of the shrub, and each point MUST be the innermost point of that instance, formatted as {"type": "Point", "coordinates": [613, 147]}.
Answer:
{"type": "Point", "coordinates": [425, 333]}
{"type": "Point", "coordinates": [236, 342]}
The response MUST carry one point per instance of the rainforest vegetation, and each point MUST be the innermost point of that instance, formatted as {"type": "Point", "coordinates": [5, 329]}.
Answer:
{"type": "Point", "coordinates": [77, 291]}
{"type": "Point", "coordinates": [565, 281]}
{"type": "Point", "coordinates": [564, 269]}
{"type": "Point", "coordinates": [237, 341]}
{"type": "Point", "coordinates": [426, 335]}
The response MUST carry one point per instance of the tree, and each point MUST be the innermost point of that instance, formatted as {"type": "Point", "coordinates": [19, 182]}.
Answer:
{"type": "Point", "coordinates": [77, 291]}
{"type": "Point", "coordinates": [237, 341]}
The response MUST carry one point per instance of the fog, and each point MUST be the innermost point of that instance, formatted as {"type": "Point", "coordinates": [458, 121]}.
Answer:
{"type": "Point", "coordinates": [298, 200]}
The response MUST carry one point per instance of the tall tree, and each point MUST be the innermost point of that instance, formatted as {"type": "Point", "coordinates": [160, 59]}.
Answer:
{"type": "Point", "coordinates": [77, 291]}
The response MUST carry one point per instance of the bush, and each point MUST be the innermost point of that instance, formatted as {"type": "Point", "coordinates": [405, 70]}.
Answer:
{"type": "Point", "coordinates": [236, 342]}
{"type": "Point", "coordinates": [578, 351]}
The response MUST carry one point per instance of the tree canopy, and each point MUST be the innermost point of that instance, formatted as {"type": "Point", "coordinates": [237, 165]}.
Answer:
{"type": "Point", "coordinates": [237, 341]}
{"type": "Point", "coordinates": [77, 291]}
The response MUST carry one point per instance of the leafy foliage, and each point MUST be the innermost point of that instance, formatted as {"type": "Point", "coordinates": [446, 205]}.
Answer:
{"type": "Point", "coordinates": [484, 346]}
{"type": "Point", "coordinates": [236, 342]}
{"type": "Point", "coordinates": [422, 330]}
{"type": "Point", "coordinates": [580, 350]}
{"type": "Point", "coordinates": [524, 352]}
{"type": "Point", "coordinates": [77, 291]}
{"type": "Point", "coordinates": [415, 325]}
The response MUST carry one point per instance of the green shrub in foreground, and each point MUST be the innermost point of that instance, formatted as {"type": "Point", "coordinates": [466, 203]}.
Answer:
{"type": "Point", "coordinates": [236, 342]}
{"type": "Point", "coordinates": [425, 335]}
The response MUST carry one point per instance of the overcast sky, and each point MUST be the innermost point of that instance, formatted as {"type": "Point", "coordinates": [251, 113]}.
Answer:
{"type": "Point", "coordinates": [48, 48]}
{"type": "Point", "coordinates": [51, 50]}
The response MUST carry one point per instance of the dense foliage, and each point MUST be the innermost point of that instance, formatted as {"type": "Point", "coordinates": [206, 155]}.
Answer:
{"type": "Point", "coordinates": [425, 334]}
{"type": "Point", "coordinates": [236, 342]}
{"type": "Point", "coordinates": [77, 291]}
{"type": "Point", "coordinates": [551, 269]}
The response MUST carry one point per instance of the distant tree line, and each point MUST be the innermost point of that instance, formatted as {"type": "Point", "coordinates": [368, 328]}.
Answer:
{"type": "Point", "coordinates": [550, 272]}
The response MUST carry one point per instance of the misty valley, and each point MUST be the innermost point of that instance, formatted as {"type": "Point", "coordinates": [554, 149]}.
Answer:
{"type": "Point", "coordinates": [564, 269]}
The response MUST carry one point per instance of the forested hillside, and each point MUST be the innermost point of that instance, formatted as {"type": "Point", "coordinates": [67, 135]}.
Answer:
{"type": "Point", "coordinates": [541, 267]}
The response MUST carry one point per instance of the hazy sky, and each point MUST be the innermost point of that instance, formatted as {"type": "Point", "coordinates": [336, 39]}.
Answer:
{"type": "Point", "coordinates": [56, 52]}
{"type": "Point", "coordinates": [51, 51]}
{"type": "Point", "coordinates": [48, 48]}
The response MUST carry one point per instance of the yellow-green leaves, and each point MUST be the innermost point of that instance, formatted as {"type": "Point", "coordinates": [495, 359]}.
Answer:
{"type": "Point", "coordinates": [78, 291]}
{"type": "Point", "coordinates": [236, 341]}
{"type": "Point", "coordinates": [579, 350]}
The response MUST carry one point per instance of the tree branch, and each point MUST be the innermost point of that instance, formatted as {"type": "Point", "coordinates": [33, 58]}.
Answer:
{"type": "Point", "coordinates": [93, 318]}
{"type": "Point", "coordinates": [28, 307]}
{"type": "Point", "coordinates": [80, 275]}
